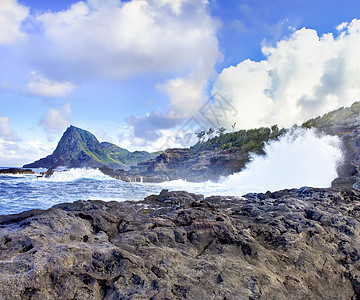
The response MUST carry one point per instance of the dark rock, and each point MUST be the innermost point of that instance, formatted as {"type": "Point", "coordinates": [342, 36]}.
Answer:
{"type": "Point", "coordinates": [16, 171]}
{"type": "Point", "coordinates": [291, 244]}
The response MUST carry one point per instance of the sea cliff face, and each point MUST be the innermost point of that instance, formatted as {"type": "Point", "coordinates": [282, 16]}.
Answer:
{"type": "Point", "coordinates": [218, 156]}
{"type": "Point", "coordinates": [207, 160]}
{"type": "Point", "coordinates": [344, 123]}
{"type": "Point", "coordinates": [291, 244]}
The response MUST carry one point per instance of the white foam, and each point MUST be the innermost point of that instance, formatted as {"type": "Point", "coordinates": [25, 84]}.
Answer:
{"type": "Point", "coordinates": [299, 158]}
{"type": "Point", "coordinates": [76, 174]}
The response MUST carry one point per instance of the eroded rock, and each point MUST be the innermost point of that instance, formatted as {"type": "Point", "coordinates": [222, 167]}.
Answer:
{"type": "Point", "coordinates": [291, 244]}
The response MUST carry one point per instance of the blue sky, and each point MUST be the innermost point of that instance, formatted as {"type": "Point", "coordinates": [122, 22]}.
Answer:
{"type": "Point", "coordinates": [134, 72]}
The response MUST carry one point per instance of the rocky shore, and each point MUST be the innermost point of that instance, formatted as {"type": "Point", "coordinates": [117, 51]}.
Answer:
{"type": "Point", "coordinates": [15, 171]}
{"type": "Point", "coordinates": [291, 244]}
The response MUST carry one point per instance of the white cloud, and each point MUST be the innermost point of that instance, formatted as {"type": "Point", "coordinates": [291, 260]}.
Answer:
{"type": "Point", "coordinates": [342, 26]}
{"type": "Point", "coordinates": [11, 16]}
{"type": "Point", "coordinates": [175, 40]}
{"type": "Point", "coordinates": [167, 138]}
{"type": "Point", "coordinates": [186, 94]}
{"type": "Point", "coordinates": [302, 77]}
{"type": "Point", "coordinates": [13, 154]}
{"type": "Point", "coordinates": [116, 39]}
{"type": "Point", "coordinates": [56, 120]}
{"type": "Point", "coordinates": [41, 86]}
{"type": "Point", "coordinates": [6, 131]}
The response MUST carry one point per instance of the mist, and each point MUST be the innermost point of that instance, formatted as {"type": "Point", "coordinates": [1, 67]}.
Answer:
{"type": "Point", "coordinates": [301, 157]}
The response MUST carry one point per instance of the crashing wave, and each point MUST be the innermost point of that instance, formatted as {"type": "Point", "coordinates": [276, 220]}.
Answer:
{"type": "Point", "coordinates": [67, 175]}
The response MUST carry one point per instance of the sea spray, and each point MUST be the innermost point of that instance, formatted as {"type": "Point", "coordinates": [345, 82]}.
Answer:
{"type": "Point", "coordinates": [302, 157]}
{"type": "Point", "coordinates": [64, 175]}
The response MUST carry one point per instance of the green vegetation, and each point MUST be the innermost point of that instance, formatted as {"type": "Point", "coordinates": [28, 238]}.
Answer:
{"type": "Point", "coordinates": [124, 156]}
{"type": "Point", "coordinates": [200, 135]}
{"type": "Point", "coordinates": [80, 146]}
{"type": "Point", "coordinates": [243, 140]}
{"type": "Point", "coordinates": [337, 121]}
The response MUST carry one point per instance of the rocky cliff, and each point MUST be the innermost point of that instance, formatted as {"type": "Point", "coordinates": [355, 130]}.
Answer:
{"type": "Point", "coordinates": [229, 153]}
{"type": "Point", "coordinates": [344, 123]}
{"type": "Point", "coordinates": [219, 156]}
{"type": "Point", "coordinates": [80, 148]}
{"type": "Point", "coordinates": [290, 244]}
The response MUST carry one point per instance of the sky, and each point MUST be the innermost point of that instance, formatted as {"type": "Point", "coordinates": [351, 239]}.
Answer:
{"type": "Point", "coordinates": [147, 74]}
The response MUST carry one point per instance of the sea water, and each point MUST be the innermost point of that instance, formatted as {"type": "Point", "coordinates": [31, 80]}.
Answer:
{"type": "Point", "coordinates": [299, 158]}
{"type": "Point", "coordinates": [24, 192]}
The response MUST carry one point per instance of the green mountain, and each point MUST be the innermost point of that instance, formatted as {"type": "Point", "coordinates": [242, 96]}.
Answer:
{"type": "Point", "coordinates": [80, 148]}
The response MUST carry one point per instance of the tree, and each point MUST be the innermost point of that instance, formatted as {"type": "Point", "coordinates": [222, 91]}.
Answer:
{"type": "Point", "coordinates": [200, 135]}
{"type": "Point", "coordinates": [210, 131]}
{"type": "Point", "coordinates": [233, 126]}
{"type": "Point", "coordinates": [275, 129]}
{"type": "Point", "coordinates": [221, 130]}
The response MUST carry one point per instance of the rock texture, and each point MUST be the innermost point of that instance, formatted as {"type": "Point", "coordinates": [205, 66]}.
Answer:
{"type": "Point", "coordinates": [195, 166]}
{"type": "Point", "coordinates": [291, 244]}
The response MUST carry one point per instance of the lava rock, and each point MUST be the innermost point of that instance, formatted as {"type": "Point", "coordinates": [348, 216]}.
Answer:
{"type": "Point", "coordinates": [291, 244]}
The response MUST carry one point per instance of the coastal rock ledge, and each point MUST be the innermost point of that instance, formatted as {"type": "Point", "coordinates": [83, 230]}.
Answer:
{"type": "Point", "coordinates": [291, 244]}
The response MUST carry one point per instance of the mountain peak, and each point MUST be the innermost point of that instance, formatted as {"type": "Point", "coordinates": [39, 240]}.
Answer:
{"type": "Point", "coordinates": [80, 148]}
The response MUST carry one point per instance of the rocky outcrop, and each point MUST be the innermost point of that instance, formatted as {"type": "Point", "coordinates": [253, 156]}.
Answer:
{"type": "Point", "coordinates": [15, 171]}
{"type": "Point", "coordinates": [218, 156]}
{"type": "Point", "coordinates": [290, 244]}
{"type": "Point", "coordinates": [80, 148]}
{"type": "Point", "coordinates": [192, 165]}
{"type": "Point", "coordinates": [344, 123]}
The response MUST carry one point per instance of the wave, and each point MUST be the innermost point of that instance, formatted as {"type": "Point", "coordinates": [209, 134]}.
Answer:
{"type": "Point", "coordinates": [76, 174]}
{"type": "Point", "coordinates": [300, 158]}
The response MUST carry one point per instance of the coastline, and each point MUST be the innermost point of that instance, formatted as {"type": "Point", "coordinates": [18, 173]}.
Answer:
{"type": "Point", "coordinates": [290, 244]}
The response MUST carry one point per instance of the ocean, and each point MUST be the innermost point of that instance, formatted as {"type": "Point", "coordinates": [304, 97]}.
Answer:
{"type": "Point", "coordinates": [300, 158]}
{"type": "Point", "coordinates": [24, 192]}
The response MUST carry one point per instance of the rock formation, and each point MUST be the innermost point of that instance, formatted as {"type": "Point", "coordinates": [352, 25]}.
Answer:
{"type": "Point", "coordinates": [344, 123]}
{"type": "Point", "coordinates": [291, 244]}
{"type": "Point", "coordinates": [15, 171]}
{"type": "Point", "coordinates": [80, 148]}
{"type": "Point", "coordinates": [219, 156]}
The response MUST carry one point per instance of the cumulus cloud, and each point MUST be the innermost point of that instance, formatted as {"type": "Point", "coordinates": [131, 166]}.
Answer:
{"type": "Point", "coordinates": [303, 76]}
{"type": "Point", "coordinates": [44, 87]}
{"type": "Point", "coordinates": [11, 16]}
{"type": "Point", "coordinates": [186, 94]}
{"type": "Point", "coordinates": [56, 120]}
{"type": "Point", "coordinates": [116, 39]}
{"type": "Point", "coordinates": [148, 128]}
{"type": "Point", "coordinates": [6, 132]}
{"type": "Point", "coordinates": [166, 138]}
{"type": "Point", "coordinates": [144, 36]}
{"type": "Point", "coordinates": [14, 154]}
{"type": "Point", "coordinates": [174, 40]}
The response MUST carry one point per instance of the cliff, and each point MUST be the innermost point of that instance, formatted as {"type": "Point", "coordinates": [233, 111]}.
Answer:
{"type": "Point", "coordinates": [344, 123]}
{"type": "Point", "coordinates": [219, 156]}
{"type": "Point", "coordinates": [229, 153]}
{"type": "Point", "coordinates": [290, 244]}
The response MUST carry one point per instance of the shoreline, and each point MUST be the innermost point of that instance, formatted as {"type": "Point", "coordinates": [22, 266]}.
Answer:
{"type": "Point", "coordinates": [289, 244]}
